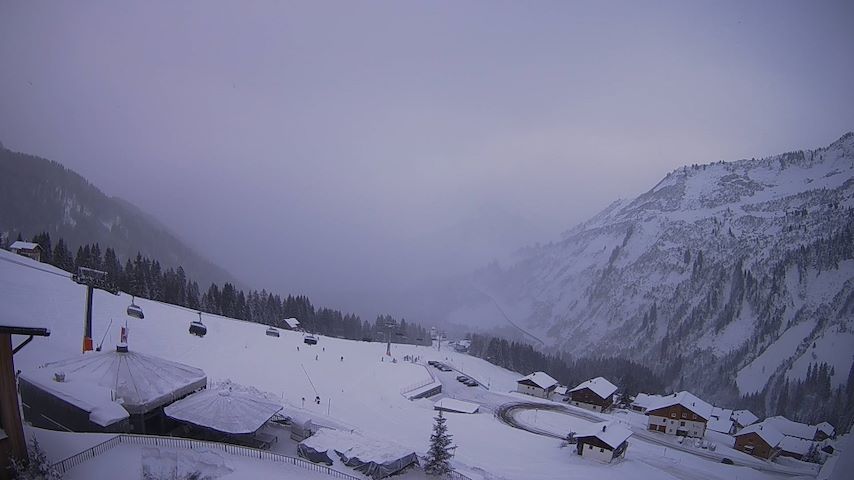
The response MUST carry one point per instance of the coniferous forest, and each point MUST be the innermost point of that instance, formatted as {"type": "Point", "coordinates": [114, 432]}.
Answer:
{"type": "Point", "coordinates": [145, 277]}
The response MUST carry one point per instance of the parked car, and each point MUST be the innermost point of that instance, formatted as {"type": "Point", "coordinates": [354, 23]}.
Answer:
{"type": "Point", "coordinates": [471, 382]}
{"type": "Point", "coordinates": [727, 461]}
{"type": "Point", "coordinates": [462, 378]}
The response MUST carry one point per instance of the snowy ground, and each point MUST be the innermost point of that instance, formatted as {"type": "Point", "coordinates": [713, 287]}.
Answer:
{"type": "Point", "coordinates": [361, 393]}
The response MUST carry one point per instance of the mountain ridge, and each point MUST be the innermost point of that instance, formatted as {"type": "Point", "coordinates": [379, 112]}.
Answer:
{"type": "Point", "coordinates": [39, 194]}
{"type": "Point", "coordinates": [702, 263]}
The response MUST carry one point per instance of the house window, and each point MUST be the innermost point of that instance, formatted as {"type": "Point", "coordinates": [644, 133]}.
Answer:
{"type": "Point", "coordinates": [590, 447]}
{"type": "Point", "coordinates": [684, 415]}
{"type": "Point", "coordinates": [673, 415]}
{"type": "Point", "coordinates": [681, 424]}
{"type": "Point", "coordinates": [601, 450]}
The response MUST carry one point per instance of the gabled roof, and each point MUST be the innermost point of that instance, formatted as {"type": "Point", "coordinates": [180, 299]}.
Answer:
{"type": "Point", "coordinates": [768, 433]}
{"type": "Point", "coordinates": [19, 245]}
{"type": "Point", "coordinates": [795, 445]}
{"type": "Point", "coordinates": [722, 425]}
{"type": "Point", "coordinates": [291, 322]}
{"type": "Point", "coordinates": [599, 386]}
{"type": "Point", "coordinates": [744, 417]}
{"type": "Point", "coordinates": [455, 405]}
{"type": "Point", "coordinates": [721, 413]}
{"type": "Point", "coordinates": [792, 428]}
{"type": "Point", "coordinates": [540, 379]}
{"type": "Point", "coordinates": [613, 433]}
{"type": "Point", "coordinates": [561, 390]}
{"type": "Point", "coordinates": [644, 400]}
{"type": "Point", "coordinates": [827, 428]}
{"type": "Point", "coordinates": [687, 400]}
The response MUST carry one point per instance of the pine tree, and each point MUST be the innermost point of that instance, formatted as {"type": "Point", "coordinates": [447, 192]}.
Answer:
{"type": "Point", "coordinates": [441, 450]}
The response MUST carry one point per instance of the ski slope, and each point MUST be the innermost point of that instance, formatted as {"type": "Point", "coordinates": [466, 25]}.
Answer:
{"type": "Point", "coordinates": [360, 393]}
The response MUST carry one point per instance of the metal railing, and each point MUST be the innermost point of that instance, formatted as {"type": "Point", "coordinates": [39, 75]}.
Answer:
{"type": "Point", "coordinates": [175, 442]}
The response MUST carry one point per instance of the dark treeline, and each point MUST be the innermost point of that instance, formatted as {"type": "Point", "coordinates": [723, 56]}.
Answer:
{"type": "Point", "coordinates": [811, 400]}
{"type": "Point", "coordinates": [522, 358]}
{"type": "Point", "coordinates": [146, 278]}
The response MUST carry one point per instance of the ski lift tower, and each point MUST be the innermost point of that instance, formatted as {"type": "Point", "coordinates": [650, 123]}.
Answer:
{"type": "Point", "coordinates": [389, 324]}
{"type": "Point", "coordinates": [95, 279]}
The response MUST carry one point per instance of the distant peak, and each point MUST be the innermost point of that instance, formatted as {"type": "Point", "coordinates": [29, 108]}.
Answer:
{"type": "Point", "coordinates": [847, 138]}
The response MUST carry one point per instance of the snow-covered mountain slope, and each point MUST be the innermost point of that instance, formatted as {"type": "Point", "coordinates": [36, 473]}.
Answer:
{"type": "Point", "coordinates": [725, 274]}
{"type": "Point", "coordinates": [360, 393]}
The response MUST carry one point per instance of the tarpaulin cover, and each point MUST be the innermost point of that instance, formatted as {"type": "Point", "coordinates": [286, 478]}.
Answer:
{"type": "Point", "coordinates": [374, 458]}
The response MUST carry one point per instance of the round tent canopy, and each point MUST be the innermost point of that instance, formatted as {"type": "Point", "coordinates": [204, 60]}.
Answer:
{"type": "Point", "coordinates": [141, 382]}
{"type": "Point", "coordinates": [224, 410]}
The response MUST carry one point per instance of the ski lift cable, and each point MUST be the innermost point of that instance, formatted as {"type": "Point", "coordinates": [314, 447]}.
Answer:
{"type": "Point", "coordinates": [66, 275]}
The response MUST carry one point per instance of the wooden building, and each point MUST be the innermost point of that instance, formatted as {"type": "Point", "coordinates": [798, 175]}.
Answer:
{"type": "Point", "coordinates": [12, 442]}
{"type": "Point", "coordinates": [681, 414]}
{"type": "Point", "coordinates": [794, 447]}
{"type": "Point", "coordinates": [743, 418]}
{"type": "Point", "coordinates": [596, 394]}
{"type": "Point", "coordinates": [537, 384]}
{"type": "Point", "coordinates": [27, 249]}
{"type": "Point", "coordinates": [605, 442]}
{"type": "Point", "coordinates": [759, 440]}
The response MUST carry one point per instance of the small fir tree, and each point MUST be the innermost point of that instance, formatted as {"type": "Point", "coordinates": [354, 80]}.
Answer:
{"type": "Point", "coordinates": [441, 450]}
{"type": "Point", "coordinates": [37, 467]}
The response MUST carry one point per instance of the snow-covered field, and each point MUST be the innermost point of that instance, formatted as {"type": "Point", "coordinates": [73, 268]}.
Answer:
{"type": "Point", "coordinates": [362, 392]}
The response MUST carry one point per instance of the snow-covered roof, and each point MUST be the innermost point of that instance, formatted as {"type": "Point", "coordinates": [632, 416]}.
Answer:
{"type": "Point", "coordinates": [744, 417]}
{"type": "Point", "coordinates": [795, 445]}
{"type": "Point", "coordinates": [721, 413]}
{"type": "Point", "coordinates": [292, 322]}
{"type": "Point", "coordinates": [224, 410]}
{"type": "Point", "coordinates": [643, 400]}
{"type": "Point", "coordinates": [540, 379]}
{"type": "Point", "coordinates": [19, 245]}
{"type": "Point", "coordinates": [456, 405]}
{"type": "Point", "coordinates": [98, 401]}
{"type": "Point", "coordinates": [722, 425]}
{"type": "Point", "coordinates": [613, 433]}
{"type": "Point", "coordinates": [687, 400]}
{"type": "Point", "coordinates": [771, 435]}
{"type": "Point", "coordinates": [561, 390]}
{"type": "Point", "coordinates": [792, 428]}
{"type": "Point", "coordinates": [599, 385]}
{"type": "Point", "coordinates": [140, 382]}
{"type": "Point", "coordinates": [827, 428]}
{"type": "Point", "coordinates": [355, 445]}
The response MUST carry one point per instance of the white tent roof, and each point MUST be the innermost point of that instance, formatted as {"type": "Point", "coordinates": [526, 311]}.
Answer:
{"type": "Point", "coordinates": [141, 382]}
{"type": "Point", "coordinates": [540, 379]}
{"type": "Point", "coordinates": [771, 435]}
{"type": "Point", "coordinates": [23, 245]}
{"type": "Point", "coordinates": [744, 417]}
{"type": "Point", "coordinates": [792, 428]}
{"type": "Point", "coordinates": [612, 433]}
{"type": "Point", "coordinates": [456, 405]}
{"type": "Point", "coordinates": [599, 385]}
{"type": "Point", "coordinates": [224, 410]}
{"type": "Point", "coordinates": [687, 400]}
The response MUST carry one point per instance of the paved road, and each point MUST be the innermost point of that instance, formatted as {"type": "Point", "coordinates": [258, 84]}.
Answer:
{"type": "Point", "coordinates": [506, 413]}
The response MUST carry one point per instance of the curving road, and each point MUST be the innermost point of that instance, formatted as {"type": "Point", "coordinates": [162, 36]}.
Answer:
{"type": "Point", "coordinates": [505, 413]}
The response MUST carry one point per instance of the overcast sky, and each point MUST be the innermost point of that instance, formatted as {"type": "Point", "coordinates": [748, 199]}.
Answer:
{"type": "Point", "coordinates": [324, 147]}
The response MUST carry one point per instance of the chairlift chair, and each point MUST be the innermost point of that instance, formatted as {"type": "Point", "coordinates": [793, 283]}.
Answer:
{"type": "Point", "coordinates": [272, 332]}
{"type": "Point", "coordinates": [135, 310]}
{"type": "Point", "coordinates": [198, 328]}
{"type": "Point", "coordinates": [310, 340]}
